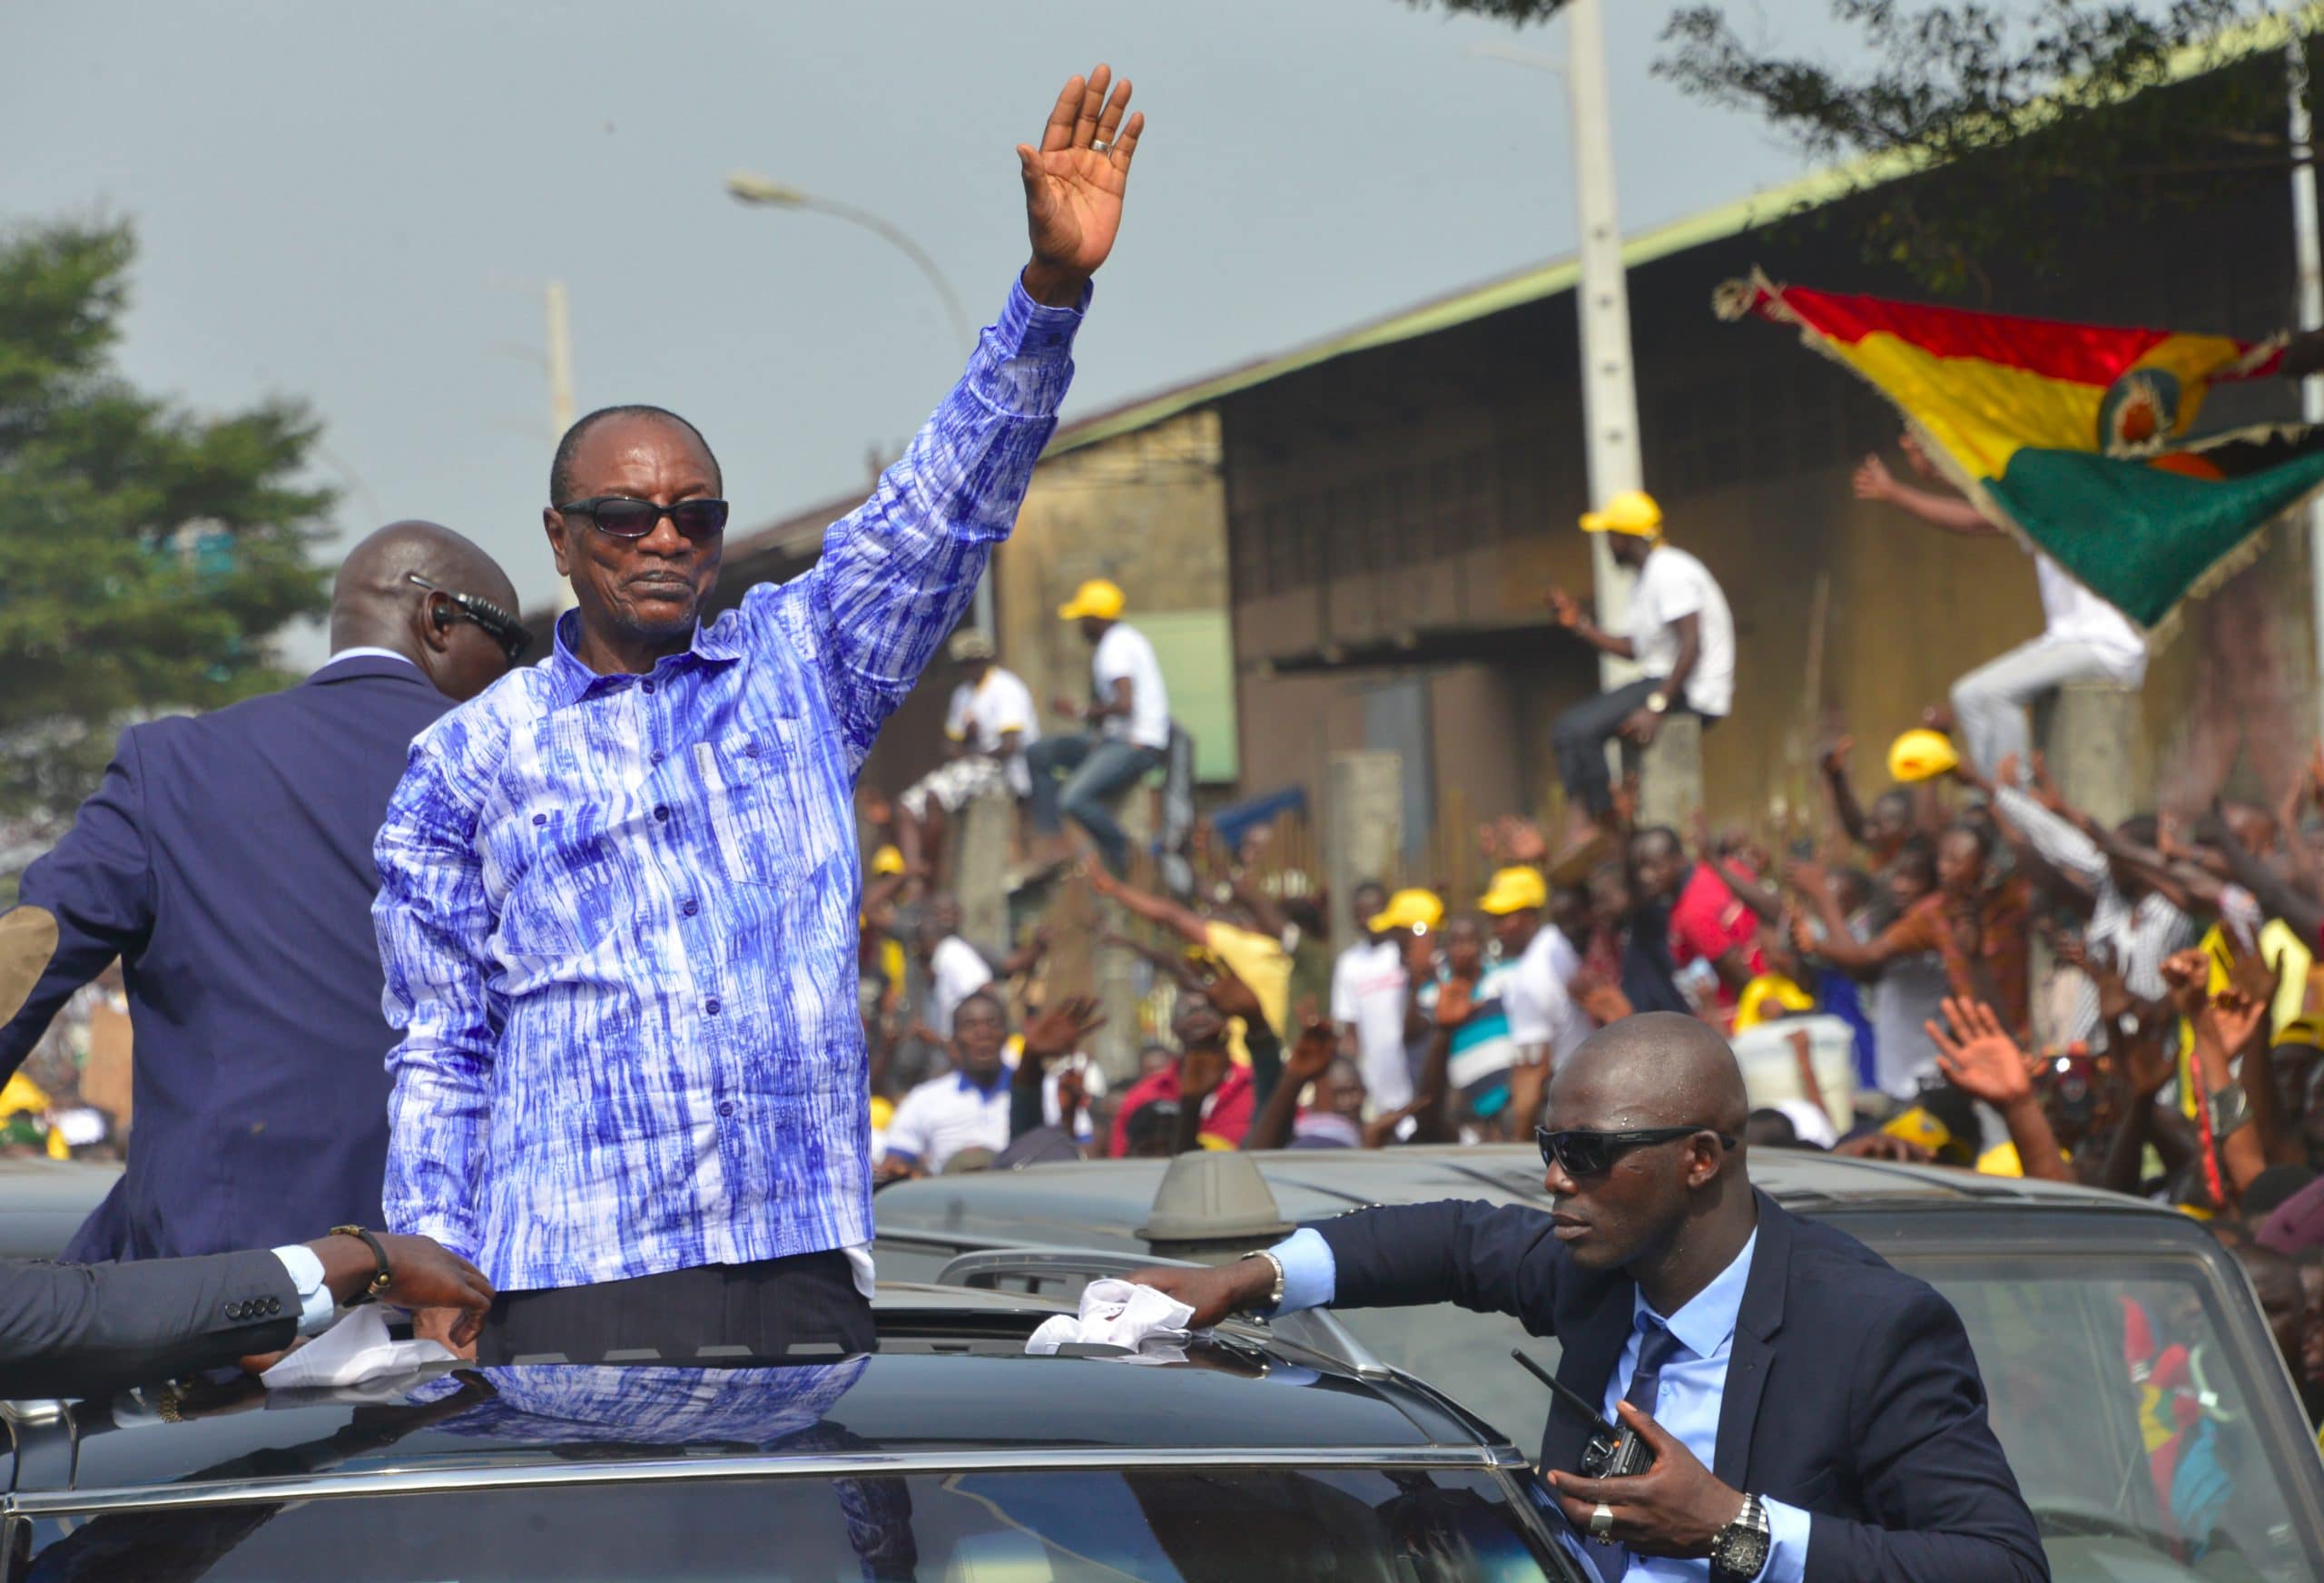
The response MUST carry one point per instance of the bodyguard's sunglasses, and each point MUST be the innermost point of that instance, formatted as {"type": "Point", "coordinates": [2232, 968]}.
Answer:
{"type": "Point", "coordinates": [1593, 1154]}
{"type": "Point", "coordinates": [626, 516]}
{"type": "Point", "coordinates": [499, 625]}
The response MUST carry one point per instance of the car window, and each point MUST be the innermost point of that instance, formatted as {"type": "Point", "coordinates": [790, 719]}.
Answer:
{"type": "Point", "coordinates": [2127, 1410]}
{"type": "Point", "coordinates": [1267, 1525]}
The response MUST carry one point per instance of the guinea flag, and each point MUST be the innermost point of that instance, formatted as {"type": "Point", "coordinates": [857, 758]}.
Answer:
{"type": "Point", "coordinates": [2073, 437]}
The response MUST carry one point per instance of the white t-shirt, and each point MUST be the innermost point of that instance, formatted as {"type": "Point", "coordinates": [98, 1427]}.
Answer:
{"type": "Point", "coordinates": [1671, 584]}
{"type": "Point", "coordinates": [1541, 1010]}
{"type": "Point", "coordinates": [983, 713]}
{"type": "Point", "coordinates": [945, 1115]}
{"type": "Point", "coordinates": [1369, 986]}
{"type": "Point", "coordinates": [956, 970]}
{"type": "Point", "coordinates": [1124, 651]}
{"type": "Point", "coordinates": [2072, 613]}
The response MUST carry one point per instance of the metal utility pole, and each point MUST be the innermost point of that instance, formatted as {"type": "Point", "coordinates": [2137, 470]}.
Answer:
{"type": "Point", "coordinates": [1609, 390]}
{"type": "Point", "coordinates": [560, 359]}
{"type": "Point", "coordinates": [2309, 259]}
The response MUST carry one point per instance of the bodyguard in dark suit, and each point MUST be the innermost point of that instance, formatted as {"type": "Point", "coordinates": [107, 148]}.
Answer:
{"type": "Point", "coordinates": [226, 860]}
{"type": "Point", "coordinates": [1813, 1412]}
{"type": "Point", "coordinates": [72, 1329]}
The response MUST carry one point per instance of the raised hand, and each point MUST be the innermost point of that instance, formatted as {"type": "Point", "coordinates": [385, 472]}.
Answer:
{"type": "Point", "coordinates": [1074, 184]}
{"type": "Point", "coordinates": [1882, 1145]}
{"type": "Point", "coordinates": [1232, 996]}
{"type": "Point", "coordinates": [1872, 480]}
{"type": "Point", "coordinates": [1200, 1071]}
{"type": "Point", "coordinates": [1311, 1052]}
{"type": "Point", "coordinates": [1454, 1003]}
{"type": "Point", "coordinates": [1980, 1059]}
{"type": "Point", "coordinates": [2188, 975]}
{"type": "Point", "coordinates": [1564, 609]}
{"type": "Point", "coordinates": [1061, 1029]}
{"type": "Point", "coordinates": [1834, 759]}
{"type": "Point", "coordinates": [2233, 1017]}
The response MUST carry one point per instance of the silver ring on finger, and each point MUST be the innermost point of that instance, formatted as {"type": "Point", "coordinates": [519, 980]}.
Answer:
{"type": "Point", "coordinates": [1602, 1523]}
{"type": "Point", "coordinates": [1102, 147]}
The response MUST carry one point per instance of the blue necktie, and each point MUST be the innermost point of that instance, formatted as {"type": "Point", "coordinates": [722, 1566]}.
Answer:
{"type": "Point", "coordinates": [1646, 1384]}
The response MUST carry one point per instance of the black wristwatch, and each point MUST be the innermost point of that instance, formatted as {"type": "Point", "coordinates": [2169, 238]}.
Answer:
{"type": "Point", "coordinates": [1739, 1550]}
{"type": "Point", "coordinates": [385, 1278]}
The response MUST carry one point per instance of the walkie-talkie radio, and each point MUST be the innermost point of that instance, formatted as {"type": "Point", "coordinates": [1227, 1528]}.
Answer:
{"type": "Point", "coordinates": [1614, 1451]}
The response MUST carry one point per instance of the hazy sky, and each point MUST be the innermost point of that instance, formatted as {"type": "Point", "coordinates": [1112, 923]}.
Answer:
{"type": "Point", "coordinates": [356, 205]}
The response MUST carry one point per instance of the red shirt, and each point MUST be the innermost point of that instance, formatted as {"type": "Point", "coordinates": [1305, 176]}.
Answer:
{"type": "Point", "coordinates": [1226, 1114]}
{"type": "Point", "coordinates": [1708, 921]}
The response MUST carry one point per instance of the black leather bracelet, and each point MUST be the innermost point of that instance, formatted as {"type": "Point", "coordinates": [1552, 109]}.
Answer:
{"type": "Point", "coordinates": [386, 1275]}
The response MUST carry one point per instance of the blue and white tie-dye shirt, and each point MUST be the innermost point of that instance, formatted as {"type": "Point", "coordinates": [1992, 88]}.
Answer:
{"type": "Point", "coordinates": [618, 913]}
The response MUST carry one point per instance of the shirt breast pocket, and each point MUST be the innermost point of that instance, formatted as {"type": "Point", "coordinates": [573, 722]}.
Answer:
{"type": "Point", "coordinates": [761, 801]}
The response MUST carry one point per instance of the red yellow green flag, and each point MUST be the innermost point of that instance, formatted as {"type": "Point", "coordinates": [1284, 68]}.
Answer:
{"type": "Point", "coordinates": [2074, 437]}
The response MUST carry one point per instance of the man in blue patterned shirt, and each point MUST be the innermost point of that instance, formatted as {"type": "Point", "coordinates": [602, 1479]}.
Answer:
{"type": "Point", "coordinates": [619, 890]}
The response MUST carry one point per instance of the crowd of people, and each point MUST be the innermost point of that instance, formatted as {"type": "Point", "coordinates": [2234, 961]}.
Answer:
{"type": "Point", "coordinates": [1964, 968]}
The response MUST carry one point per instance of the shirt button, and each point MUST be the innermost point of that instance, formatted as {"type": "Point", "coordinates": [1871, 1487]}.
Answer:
{"type": "Point", "coordinates": [539, 820]}
{"type": "Point", "coordinates": [648, 686]}
{"type": "Point", "coordinates": [711, 1006]}
{"type": "Point", "coordinates": [657, 757]}
{"type": "Point", "coordinates": [662, 811]}
{"type": "Point", "coordinates": [725, 1107]}
{"type": "Point", "coordinates": [750, 750]}
{"type": "Point", "coordinates": [690, 907]}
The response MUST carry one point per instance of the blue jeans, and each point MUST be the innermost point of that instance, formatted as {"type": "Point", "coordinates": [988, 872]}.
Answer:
{"type": "Point", "coordinates": [1079, 777]}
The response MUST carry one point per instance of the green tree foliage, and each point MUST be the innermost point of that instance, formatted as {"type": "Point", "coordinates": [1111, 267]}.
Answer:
{"type": "Point", "coordinates": [2047, 116]}
{"type": "Point", "coordinates": [1518, 12]}
{"type": "Point", "coordinates": [147, 554]}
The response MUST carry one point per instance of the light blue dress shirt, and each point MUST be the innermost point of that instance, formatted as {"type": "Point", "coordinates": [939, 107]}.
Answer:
{"type": "Point", "coordinates": [1693, 1382]}
{"type": "Point", "coordinates": [317, 1307]}
{"type": "Point", "coordinates": [617, 913]}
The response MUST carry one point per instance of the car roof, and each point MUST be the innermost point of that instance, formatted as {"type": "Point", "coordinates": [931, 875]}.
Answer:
{"type": "Point", "coordinates": [43, 1202]}
{"type": "Point", "coordinates": [952, 1386]}
{"type": "Point", "coordinates": [1102, 1202]}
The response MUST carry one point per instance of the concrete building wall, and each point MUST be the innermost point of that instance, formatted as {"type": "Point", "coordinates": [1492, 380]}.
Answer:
{"type": "Point", "coordinates": [1402, 508]}
{"type": "Point", "coordinates": [1145, 509]}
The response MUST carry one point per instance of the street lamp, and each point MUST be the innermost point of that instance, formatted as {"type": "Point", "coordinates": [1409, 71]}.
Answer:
{"type": "Point", "coordinates": [749, 188]}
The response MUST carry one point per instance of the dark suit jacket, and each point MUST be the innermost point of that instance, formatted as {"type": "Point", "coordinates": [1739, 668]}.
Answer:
{"type": "Point", "coordinates": [70, 1329]}
{"type": "Point", "coordinates": [1851, 1391]}
{"type": "Point", "coordinates": [227, 860]}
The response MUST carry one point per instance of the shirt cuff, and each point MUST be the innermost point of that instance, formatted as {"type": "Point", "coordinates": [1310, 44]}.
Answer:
{"type": "Point", "coordinates": [315, 1304]}
{"type": "Point", "coordinates": [1310, 1272]}
{"type": "Point", "coordinates": [1023, 364]}
{"type": "Point", "coordinates": [1788, 1529]}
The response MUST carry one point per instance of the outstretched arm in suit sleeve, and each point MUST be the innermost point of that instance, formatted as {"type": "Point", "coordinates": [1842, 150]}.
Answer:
{"type": "Point", "coordinates": [63, 1327]}
{"type": "Point", "coordinates": [1495, 1260]}
{"type": "Point", "coordinates": [434, 921]}
{"type": "Point", "coordinates": [1946, 1508]}
{"type": "Point", "coordinates": [98, 885]}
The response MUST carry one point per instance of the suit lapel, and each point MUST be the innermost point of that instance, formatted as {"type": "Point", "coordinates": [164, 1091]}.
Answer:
{"type": "Point", "coordinates": [1593, 1344]}
{"type": "Point", "coordinates": [1752, 1354]}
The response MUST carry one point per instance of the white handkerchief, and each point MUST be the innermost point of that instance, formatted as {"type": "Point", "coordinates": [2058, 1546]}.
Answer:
{"type": "Point", "coordinates": [1116, 1313]}
{"type": "Point", "coordinates": [354, 1349]}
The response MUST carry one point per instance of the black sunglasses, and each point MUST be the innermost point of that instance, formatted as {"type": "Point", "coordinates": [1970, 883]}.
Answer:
{"type": "Point", "coordinates": [499, 625]}
{"type": "Point", "coordinates": [626, 516]}
{"type": "Point", "coordinates": [1593, 1154]}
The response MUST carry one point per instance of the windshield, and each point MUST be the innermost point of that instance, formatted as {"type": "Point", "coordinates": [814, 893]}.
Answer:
{"type": "Point", "coordinates": [2123, 1405]}
{"type": "Point", "coordinates": [1260, 1524]}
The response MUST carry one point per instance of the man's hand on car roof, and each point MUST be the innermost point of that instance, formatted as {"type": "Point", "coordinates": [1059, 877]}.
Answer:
{"type": "Point", "coordinates": [1214, 1293]}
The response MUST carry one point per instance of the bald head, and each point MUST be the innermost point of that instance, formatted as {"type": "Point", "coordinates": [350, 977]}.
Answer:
{"type": "Point", "coordinates": [371, 595]}
{"type": "Point", "coordinates": [374, 603]}
{"type": "Point", "coordinates": [1657, 1068]}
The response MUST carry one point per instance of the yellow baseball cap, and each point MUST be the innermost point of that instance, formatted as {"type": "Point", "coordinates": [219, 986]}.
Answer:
{"type": "Point", "coordinates": [1630, 511]}
{"type": "Point", "coordinates": [1095, 597]}
{"type": "Point", "coordinates": [1514, 890]}
{"type": "Point", "coordinates": [1407, 909]}
{"type": "Point", "coordinates": [888, 860]}
{"type": "Point", "coordinates": [1921, 755]}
